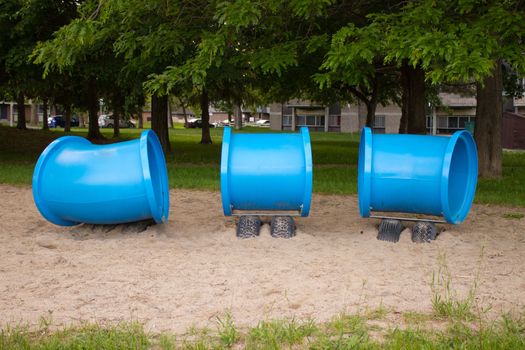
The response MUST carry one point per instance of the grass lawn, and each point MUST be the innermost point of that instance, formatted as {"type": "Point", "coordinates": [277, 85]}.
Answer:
{"type": "Point", "coordinates": [191, 165]}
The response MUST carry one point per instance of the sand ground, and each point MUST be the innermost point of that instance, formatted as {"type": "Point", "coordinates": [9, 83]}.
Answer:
{"type": "Point", "coordinates": [193, 269]}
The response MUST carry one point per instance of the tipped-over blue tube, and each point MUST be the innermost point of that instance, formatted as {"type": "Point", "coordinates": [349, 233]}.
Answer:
{"type": "Point", "coordinates": [77, 182]}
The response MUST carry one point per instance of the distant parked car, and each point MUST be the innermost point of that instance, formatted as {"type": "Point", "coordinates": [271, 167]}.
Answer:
{"type": "Point", "coordinates": [221, 123]}
{"type": "Point", "coordinates": [263, 123]}
{"type": "Point", "coordinates": [196, 123]}
{"type": "Point", "coordinates": [59, 121]}
{"type": "Point", "coordinates": [106, 121]}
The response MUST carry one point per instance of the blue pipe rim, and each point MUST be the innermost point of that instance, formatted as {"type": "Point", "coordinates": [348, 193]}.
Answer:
{"type": "Point", "coordinates": [159, 206]}
{"type": "Point", "coordinates": [40, 164]}
{"type": "Point", "coordinates": [365, 173]}
{"type": "Point", "coordinates": [472, 176]}
{"type": "Point", "coordinates": [305, 208]}
{"type": "Point", "coordinates": [225, 159]}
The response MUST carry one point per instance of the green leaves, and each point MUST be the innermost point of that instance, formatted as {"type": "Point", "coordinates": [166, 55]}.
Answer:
{"type": "Point", "coordinates": [452, 41]}
{"type": "Point", "coordinates": [238, 14]}
{"type": "Point", "coordinates": [309, 9]}
{"type": "Point", "coordinates": [276, 59]}
{"type": "Point", "coordinates": [70, 44]}
{"type": "Point", "coordinates": [352, 56]}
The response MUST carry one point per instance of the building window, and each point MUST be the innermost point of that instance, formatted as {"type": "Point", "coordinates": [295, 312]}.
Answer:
{"type": "Point", "coordinates": [287, 120]}
{"type": "Point", "coordinates": [379, 124]}
{"type": "Point", "coordinates": [450, 124]}
{"type": "Point", "coordinates": [453, 122]}
{"type": "Point", "coordinates": [462, 121]}
{"type": "Point", "coordinates": [310, 120]}
{"type": "Point", "coordinates": [334, 120]}
{"type": "Point", "coordinates": [379, 121]}
{"type": "Point", "coordinates": [442, 122]}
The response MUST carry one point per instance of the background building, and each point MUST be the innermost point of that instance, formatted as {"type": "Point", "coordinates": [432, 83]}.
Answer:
{"type": "Point", "coordinates": [455, 114]}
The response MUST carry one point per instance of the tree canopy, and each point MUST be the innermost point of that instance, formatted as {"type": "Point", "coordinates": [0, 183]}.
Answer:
{"type": "Point", "coordinates": [247, 52]}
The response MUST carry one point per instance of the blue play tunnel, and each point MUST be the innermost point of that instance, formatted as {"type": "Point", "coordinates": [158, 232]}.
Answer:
{"type": "Point", "coordinates": [434, 175]}
{"type": "Point", "coordinates": [266, 173]}
{"type": "Point", "coordinates": [77, 182]}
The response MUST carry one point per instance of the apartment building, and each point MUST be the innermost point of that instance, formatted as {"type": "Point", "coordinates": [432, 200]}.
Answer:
{"type": "Point", "coordinates": [456, 113]}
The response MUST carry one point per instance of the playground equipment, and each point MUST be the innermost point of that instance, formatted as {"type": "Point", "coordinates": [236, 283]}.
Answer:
{"type": "Point", "coordinates": [77, 182]}
{"type": "Point", "coordinates": [433, 175]}
{"type": "Point", "coordinates": [267, 175]}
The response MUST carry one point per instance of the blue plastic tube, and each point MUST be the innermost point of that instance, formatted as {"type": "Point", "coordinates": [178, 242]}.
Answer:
{"type": "Point", "coordinates": [77, 182]}
{"type": "Point", "coordinates": [434, 175]}
{"type": "Point", "coordinates": [266, 172]}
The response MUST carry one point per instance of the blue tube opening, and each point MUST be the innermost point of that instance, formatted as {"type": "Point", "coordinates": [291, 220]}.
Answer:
{"type": "Point", "coordinates": [460, 173]}
{"type": "Point", "coordinates": [155, 175]}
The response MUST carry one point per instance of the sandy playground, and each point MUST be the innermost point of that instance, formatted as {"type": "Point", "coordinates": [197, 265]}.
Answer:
{"type": "Point", "coordinates": [193, 269]}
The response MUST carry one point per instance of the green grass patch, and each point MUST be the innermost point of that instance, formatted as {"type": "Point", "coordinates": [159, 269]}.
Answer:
{"type": "Point", "coordinates": [195, 166]}
{"type": "Point", "coordinates": [343, 332]}
{"type": "Point", "coordinates": [417, 318]}
{"type": "Point", "coordinates": [88, 337]}
{"type": "Point", "coordinates": [514, 216]}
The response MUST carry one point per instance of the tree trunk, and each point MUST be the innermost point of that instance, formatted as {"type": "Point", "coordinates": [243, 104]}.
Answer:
{"type": "Point", "coordinates": [489, 119]}
{"type": "Point", "coordinates": [92, 99]}
{"type": "Point", "coordinates": [67, 117]}
{"type": "Point", "coordinates": [21, 122]}
{"type": "Point", "coordinates": [229, 117]}
{"type": "Point", "coordinates": [205, 116]}
{"type": "Point", "coordinates": [238, 116]}
{"type": "Point", "coordinates": [159, 122]}
{"type": "Point", "coordinates": [116, 120]}
{"type": "Point", "coordinates": [403, 122]}
{"type": "Point", "coordinates": [370, 114]}
{"type": "Point", "coordinates": [45, 125]}
{"type": "Point", "coordinates": [82, 120]}
{"type": "Point", "coordinates": [413, 109]}
{"type": "Point", "coordinates": [34, 113]}
{"type": "Point", "coordinates": [141, 118]}
{"type": "Point", "coordinates": [170, 120]}
{"type": "Point", "coordinates": [371, 104]}
{"type": "Point", "coordinates": [184, 114]}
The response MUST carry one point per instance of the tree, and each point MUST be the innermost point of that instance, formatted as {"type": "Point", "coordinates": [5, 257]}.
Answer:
{"type": "Point", "coordinates": [448, 42]}
{"type": "Point", "coordinates": [82, 52]}
{"type": "Point", "coordinates": [22, 25]}
{"type": "Point", "coordinates": [355, 62]}
{"type": "Point", "coordinates": [464, 41]}
{"type": "Point", "coordinates": [248, 51]}
{"type": "Point", "coordinates": [366, 56]}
